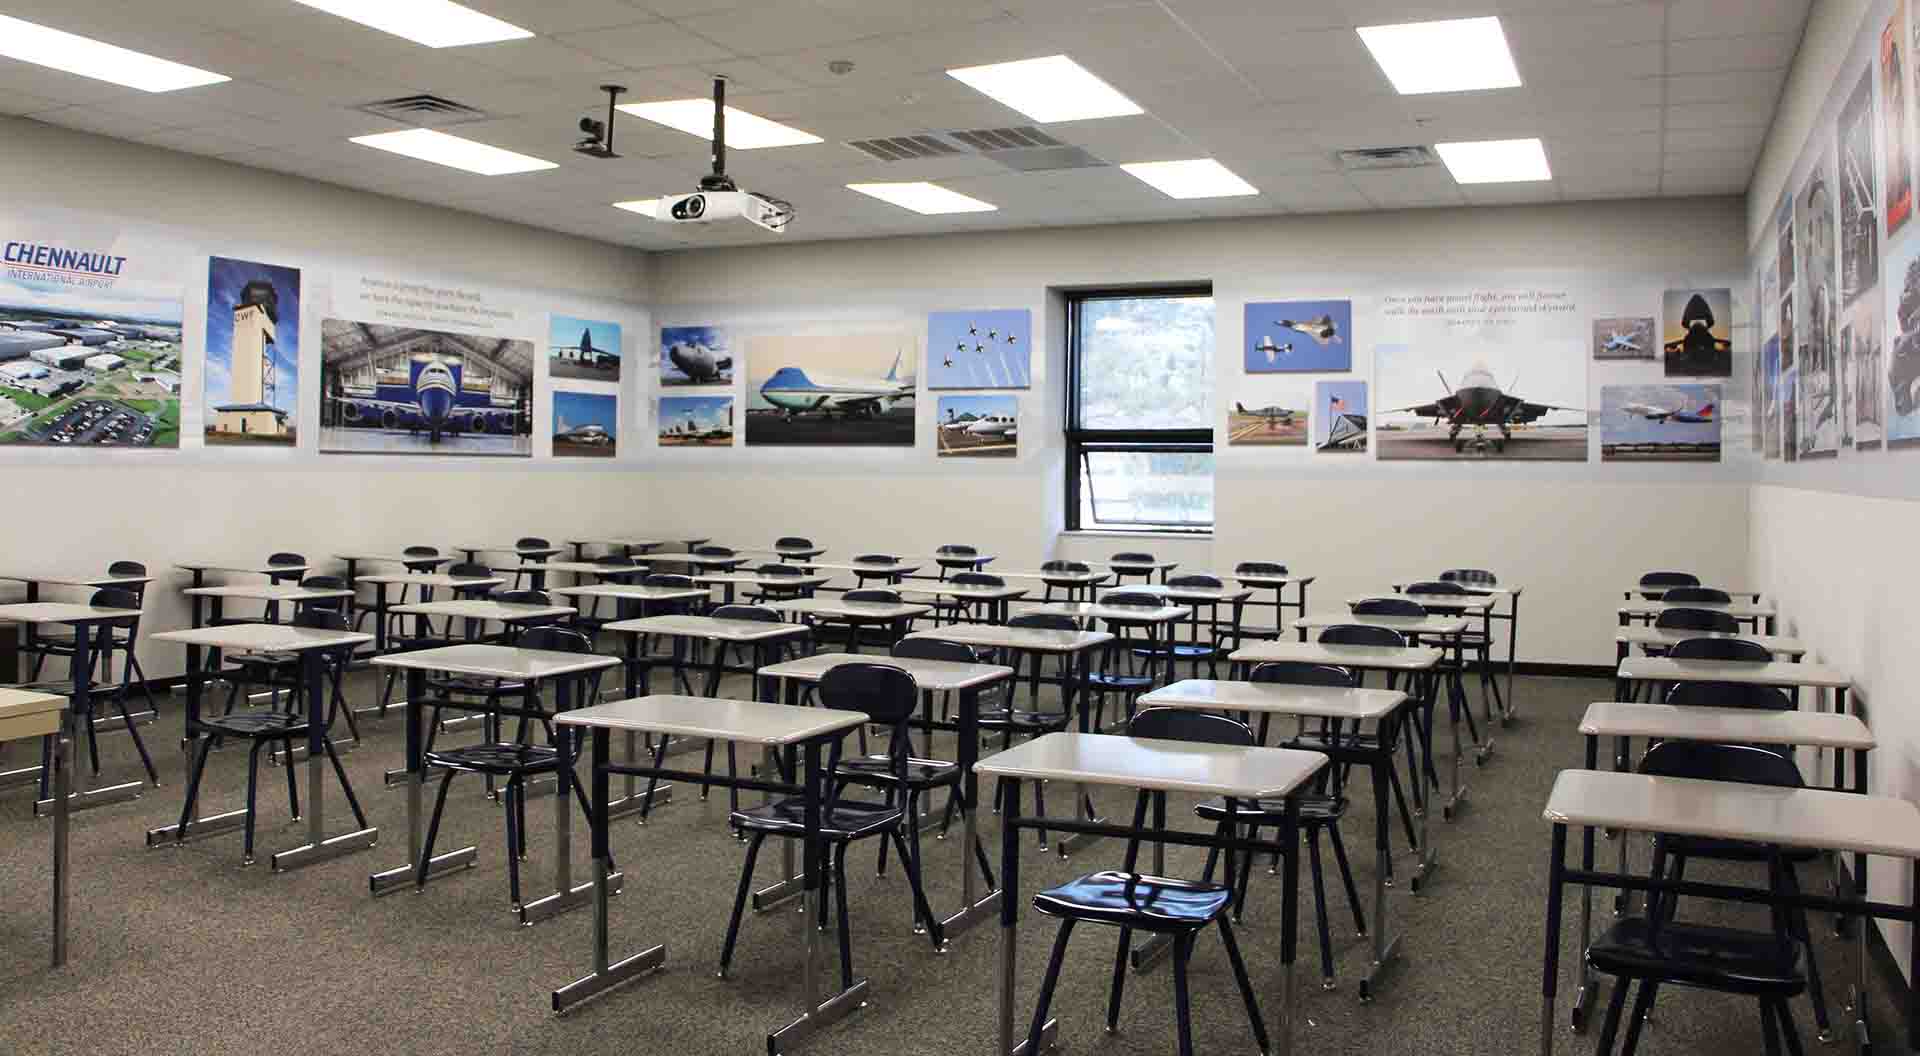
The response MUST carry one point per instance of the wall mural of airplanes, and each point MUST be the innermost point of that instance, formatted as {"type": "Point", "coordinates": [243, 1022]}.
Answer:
{"type": "Point", "coordinates": [1479, 404]}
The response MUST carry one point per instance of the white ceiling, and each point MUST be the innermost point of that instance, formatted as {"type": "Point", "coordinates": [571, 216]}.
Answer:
{"type": "Point", "coordinates": [1633, 99]}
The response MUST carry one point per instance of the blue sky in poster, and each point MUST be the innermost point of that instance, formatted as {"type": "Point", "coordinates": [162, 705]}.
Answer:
{"type": "Point", "coordinates": [1618, 426]}
{"type": "Point", "coordinates": [563, 331]}
{"type": "Point", "coordinates": [707, 412]}
{"type": "Point", "coordinates": [978, 406]}
{"type": "Point", "coordinates": [1352, 397]}
{"type": "Point", "coordinates": [989, 349]}
{"type": "Point", "coordinates": [572, 410]}
{"type": "Point", "coordinates": [1267, 337]}
{"type": "Point", "coordinates": [713, 337]}
{"type": "Point", "coordinates": [225, 279]}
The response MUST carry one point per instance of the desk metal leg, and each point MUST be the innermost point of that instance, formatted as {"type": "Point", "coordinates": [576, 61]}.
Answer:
{"type": "Point", "coordinates": [605, 975]}
{"type": "Point", "coordinates": [464, 858]}
{"type": "Point", "coordinates": [1550, 961]}
{"type": "Point", "coordinates": [1589, 985]}
{"type": "Point", "coordinates": [1049, 1032]}
{"type": "Point", "coordinates": [319, 846]}
{"type": "Point", "coordinates": [565, 895]}
{"type": "Point", "coordinates": [1512, 704]}
{"type": "Point", "coordinates": [1456, 700]}
{"type": "Point", "coordinates": [817, 1015]}
{"type": "Point", "coordinates": [1427, 860]}
{"type": "Point", "coordinates": [1386, 950]}
{"type": "Point", "coordinates": [1075, 695]}
{"type": "Point", "coordinates": [1289, 922]}
{"type": "Point", "coordinates": [79, 715]}
{"type": "Point", "coordinates": [62, 809]}
{"type": "Point", "coordinates": [972, 910]}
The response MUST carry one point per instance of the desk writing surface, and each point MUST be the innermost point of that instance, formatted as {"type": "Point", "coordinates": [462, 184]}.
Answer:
{"type": "Point", "coordinates": [1058, 578]}
{"type": "Point", "coordinates": [1156, 566]}
{"type": "Point", "coordinates": [750, 579]}
{"type": "Point", "coordinates": [1279, 698]}
{"type": "Point", "coordinates": [1369, 657]}
{"type": "Point", "coordinates": [269, 592]}
{"type": "Point", "coordinates": [1659, 592]}
{"type": "Point", "coordinates": [1746, 672]}
{"type": "Point", "coordinates": [630, 592]}
{"type": "Point", "coordinates": [1443, 625]}
{"type": "Point", "coordinates": [395, 559]}
{"type": "Point", "coordinates": [482, 609]}
{"type": "Point", "coordinates": [1270, 581]}
{"type": "Point", "coordinates": [936, 675]}
{"type": "Point", "coordinates": [1614, 718]}
{"type": "Point", "coordinates": [1100, 610]}
{"type": "Point", "coordinates": [1032, 639]}
{"type": "Point", "coordinates": [751, 721]}
{"type": "Point", "coordinates": [967, 591]}
{"type": "Point", "coordinates": [1643, 634]}
{"type": "Point", "coordinates": [258, 568]}
{"type": "Point", "coordinates": [863, 610]}
{"type": "Point", "coordinates": [264, 637]}
{"type": "Point", "coordinates": [29, 713]}
{"type": "Point", "coordinates": [431, 579]}
{"type": "Point", "coordinates": [1199, 594]}
{"type": "Point", "coordinates": [1797, 817]}
{"type": "Point", "coordinates": [511, 548]}
{"type": "Point", "coordinates": [684, 626]}
{"type": "Point", "coordinates": [703, 560]}
{"type": "Point", "coordinates": [495, 661]}
{"type": "Point", "coordinates": [617, 542]}
{"type": "Point", "coordinates": [1243, 772]}
{"type": "Point", "coordinates": [60, 612]}
{"type": "Point", "coordinates": [1739, 610]}
{"type": "Point", "coordinates": [583, 568]}
{"type": "Point", "coordinates": [1502, 589]}
{"type": "Point", "coordinates": [1474, 603]}
{"type": "Point", "coordinates": [68, 579]}
{"type": "Point", "coordinates": [872, 568]}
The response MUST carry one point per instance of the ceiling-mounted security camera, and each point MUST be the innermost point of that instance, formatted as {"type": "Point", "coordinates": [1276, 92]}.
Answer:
{"type": "Point", "coordinates": [597, 140]}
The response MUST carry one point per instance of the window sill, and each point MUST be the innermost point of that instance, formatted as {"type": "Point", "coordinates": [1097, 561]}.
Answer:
{"type": "Point", "coordinates": [1112, 533]}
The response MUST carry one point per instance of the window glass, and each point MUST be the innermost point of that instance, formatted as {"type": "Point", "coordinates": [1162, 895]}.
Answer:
{"type": "Point", "coordinates": [1146, 489]}
{"type": "Point", "coordinates": [1145, 362]}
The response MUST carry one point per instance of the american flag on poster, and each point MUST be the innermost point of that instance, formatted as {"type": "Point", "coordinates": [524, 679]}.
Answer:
{"type": "Point", "coordinates": [1338, 404]}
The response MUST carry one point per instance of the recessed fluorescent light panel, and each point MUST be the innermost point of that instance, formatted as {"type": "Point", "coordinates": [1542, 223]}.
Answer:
{"type": "Point", "coordinates": [695, 117]}
{"type": "Point", "coordinates": [453, 152]}
{"type": "Point", "coordinates": [1198, 178]}
{"type": "Point", "coordinates": [1455, 55]}
{"type": "Point", "coordinates": [929, 199]}
{"type": "Point", "coordinates": [1050, 89]}
{"type": "Point", "coordinates": [1496, 161]}
{"type": "Point", "coordinates": [59, 50]}
{"type": "Point", "coordinates": [435, 23]}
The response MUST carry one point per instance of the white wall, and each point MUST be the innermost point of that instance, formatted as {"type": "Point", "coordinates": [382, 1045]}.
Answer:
{"type": "Point", "coordinates": [75, 510]}
{"type": "Point", "coordinates": [1570, 535]}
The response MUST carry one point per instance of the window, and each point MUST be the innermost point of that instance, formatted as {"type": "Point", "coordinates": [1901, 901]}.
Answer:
{"type": "Point", "coordinates": [1140, 410]}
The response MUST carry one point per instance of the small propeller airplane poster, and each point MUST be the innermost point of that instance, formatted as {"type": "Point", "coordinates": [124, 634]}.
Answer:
{"type": "Point", "coordinates": [1289, 337]}
{"type": "Point", "coordinates": [988, 349]}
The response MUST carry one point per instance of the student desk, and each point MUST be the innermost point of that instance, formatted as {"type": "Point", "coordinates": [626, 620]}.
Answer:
{"type": "Point", "coordinates": [786, 553]}
{"type": "Point", "coordinates": [1074, 583]}
{"type": "Point", "coordinates": [723, 562]}
{"type": "Point", "coordinates": [27, 714]}
{"type": "Point", "coordinates": [1144, 569]}
{"type": "Point", "coordinates": [1150, 765]}
{"type": "Point", "coordinates": [421, 563]}
{"type": "Point", "coordinates": [1155, 619]}
{"type": "Point", "coordinates": [309, 643]}
{"type": "Point", "coordinates": [427, 582]}
{"type": "Point", "coordinates": [1748, 612]}
{"type": "Point", "coordinates": [271, 593]}
{"type": "Point", "coordinates": [626, 546]}
{"type": "Point", "coordinates": [1839, 822]}
{"type": "Point", "coordinates": [855, 614]}
{"type": "Point", "coordinates": [90, 630]}
{"type": "Point", "coordinates": [1511, 617]}
{"type": "Point", "coordinates": [1278, 582]}
{"type": "Point", "coordinates": [932, 676]}
{"type": "Point", "coordinates": [274, 571]}
{"type": "Point", "coordinates": [884, 571]}
{"type": "Point", "coordinates": [1663, 638]}
{"type": "Point", "coordinates": [802, 731]}
{"type": "Point", "coordinates": [631, 600]}
{"type": "Point", "coordinates": [730, 581]}
{"type": "Point", "coordinates": [1446, 631]}
{"type": "Point", "coordinates": [997, 599]}
{"type": "Point", "coordinates": [1210, 598]}
{"type": "Point", "coordinates": [9, 665]}
{"type": "Point", "coordinates": [752, 633]}
{"type": "Point", "coordinates": [581, 571]}
{"type": "Point", "coordinates": [476, 611]}
{"type": "Point", "coordinates": [526, 553]}
{"type": "Point", "coordinates": [530, 666]}
{"type": "Point", "coordinates": [1656, 593]}
{"type": "Point", "coordinates": [1385, 707]}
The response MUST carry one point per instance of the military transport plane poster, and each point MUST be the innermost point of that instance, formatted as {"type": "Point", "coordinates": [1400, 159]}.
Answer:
{"type": "Point", "coordinates": [90, 324]}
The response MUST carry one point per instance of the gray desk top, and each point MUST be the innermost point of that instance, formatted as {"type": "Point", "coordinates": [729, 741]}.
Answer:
{"type": "Point", "coordinates": [751, 721]}
{"type": "Point", "coordinates": [510, 548]}
{"type": "Point", "coordinates": [1077, 579]}
{"type": "Point", "coordinates": [1031, 639]}
{"type": "Point", "coordinates": [256, 568]}
{"type": "Point", "coordinates": [1739, 610]}
{"type": "Point", "coordinates": [682, 626]}
{"type": "Point", "coordinates": [701, 560]}
{"type": "Point", "coordinates": [1659, 592]}
{"type": "Point", "coordinates": [639, 542]}
{"type": "Point", "coordinates": [1261, 581]}
{"type": "Point", "coordinates": [1614, 718]}
{"type": "Point", "coordinates": [431, 579]}
{"type": "Point", "coordinates": [750, 579]}
{"type": "Point", "coordinates": [1149, 763]}
{"type": "Point", "coordinates": [1774, 673]}
{"type": "Point", "coordinates": [268, 592]}
{"type": "Point", "coordinates": [60, 612]}
{"type": "Point", "coordinates": [784, 551]}
{"type": "Point", "coordinates": [1366, 657]}
{"type": "Point", "coordinates": [496, 661]}
{"type": "Point", "coordinates": [897, 568]}
{"type": "Point", "coordinates": [1441, 625]}
{"type": "Point", "coordinates": [1156, 566]}
{"type": "Point", "coordinates": [1098, 610]}
{"type": "Point", "coordinates": [1795, 817]}
{"type": "Point", "coordinates": [1190, 594]}
{"type": "Point", "coordinates": [631, 592]}
{"type": "Point", "coordinates": [835, 608]}
{"type": "Point", "coordinates": [1643, 634]}
{"type": "Point", "coordinates": [965, 591]}
{"type": "Point", "coordinates": [482, 609]}
{"type": "Point", "coordinates": [1277, 698]}
{"type": "Point", "coordinates": [395, 559]}
{"type": "Point", "coordinates": [583, 568]}
{"type": "Point", "coordinates": [264, 637]}
{"type": "Point", "coordinates": [59, 579]}
{"type": "Point", "coordinates": [1474, 603]}
{"type": "Point", "coordinates": [936, 675]}
{"type": "Point", "coordinates": [1495, 589]}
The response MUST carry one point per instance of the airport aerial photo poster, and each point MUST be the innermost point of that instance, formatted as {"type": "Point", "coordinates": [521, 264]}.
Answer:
{"type": "Point", "coordinates": [1269, 411]}
{"type": "Point", "coordinates": [990, 349]}
{"type": "Point", "coordinates": [253, 353]}
{"type": "Point", "coordinates": [402, 390]}
{"type": "Point", "coordinates": [696, 421]}
{"type": "Point", "coordinates": [695, 356]}
{"type": "Point", "coordinates": [585, 424]}
{"type": "Point", "coordinates": [583, 349]}
{"type": "Point", "coordinates": [1485, 372]}
{"type": "Point", "coordinates": [979, 426]}
{"type": "Point", "coordinates": [825, 388]}
{"type": "Point", "coordinates": [1284, 337]}
{"type": "Point", "coordinates": [1660, 423]}
{"type": "Point", "coordinates": [90, 334]}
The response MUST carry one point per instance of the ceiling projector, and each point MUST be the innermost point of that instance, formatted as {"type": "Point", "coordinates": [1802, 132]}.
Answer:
{"type": "Point", "coordinates": [719, 198]}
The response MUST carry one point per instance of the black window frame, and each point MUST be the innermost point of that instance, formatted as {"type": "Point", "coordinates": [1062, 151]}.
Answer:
{"type": "Point", "coordinates": [1082, 441]}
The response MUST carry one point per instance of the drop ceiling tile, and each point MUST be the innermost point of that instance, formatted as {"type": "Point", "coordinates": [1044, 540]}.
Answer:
{"type": "Point", "coordinates": [18, 103]}
{"type": "Point", "coordinates": [643, 44]}
{"type": "Point", "coordinates": [1726, 137]}
{"type": "Point", "coordinates": [1719, 161]}
{"type": "Point", "coordinates": [64, 89]}
{"type": "Point", "coordinates": [1726, 87]}
{"type": "Point", "coordinates": [1720, 18]}
{"type": "Point", "coordinates": [106, 122]}
{"type": "Point", "coordinates": [1762, 51]}
{"type": "Point", "coordinates": [874, 60]}
{"type": "Point", "coordinates": [1673, 184]}
{"type": "Point", "coordinates": [1719, 115]}
{"type": "Point", "coordinates": [1569, 63]}
{"type": "Point", "coordinates": [1597, 25]}
{"type": "Point", "coordinates": [782, 27]}
{"type": "Point", "coordinates": [551, 17]}
{"type": "Point", "coordinates": [536, 57]}
{"type": "Point", "coordinates": [1511, 193]}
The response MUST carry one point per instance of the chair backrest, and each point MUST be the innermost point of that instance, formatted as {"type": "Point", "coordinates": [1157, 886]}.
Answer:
{"type": "Point", "coordinates": [555, 639]}
{"type": "Point", "coordinates": [321, 619]}
{"type": "Point", "coordinates": [1044, 621]}
{"type": "Point", "coordinates": [875, 559]}
{"type": "Point", "coordinates": [1721, 762]}
{"type": "Point", "coordinates": [530, 542]}
{"type": "Point", "coordinates": [1389, 607]}
{"type": "Point", "coordinates": [1196, 579]}
{"type": "Point", "coordinates": [978, 579]}
{"type": "Point", "coordinates": [711, 550]}
{"type": "Point", "coordinates": [1180, 724]}
{"type": "Point", "coordinates": [1448, 588]}
{"type": "Point", "coordinates": [1720, 649]}
{"type": "Point", "coordinates": [1131, 557]}
{"type": "Point", "coordinates": [793, 542]}
{"type": "Point", "coordinates": [1479, 577]}
{"type": "Point", "coordinates": [890, 597]}
{"type": "Point", "coordinates": [779, 568]}
{"type": "Point", "coordinates": [126, 568]}
{"type": "Point", "coordinates": [667, 579]}
{"type": "Point", "coordinates": [957, 550]}
{"type": "Point", "coordinates": [1669, 579]}
{"type": "Point", "coordinates": [615, 561]}
{"type": "Point", "coordinates": [1059, 565]}
{"type": "Point", "coordinates": [114, 598]}
{"type": "Point", "coordinates": [470, 570]}
{"type": "Point", "coordinates": [1361, 634]}
{"type": "Point", "coordinates": [883, 692]}
{"type": "Point", "coordinates": [286, 557]}
{"type": "Point", "coordinates": [1696, 620]}
{"type": "Point", "coordinates": [1133, 597]}
{"type": "Point", "coordinates": [1729, 695]}
{"type": "Point", "coordinates": [1260, 568]}
{"type": "Point", "coordinates": [1681, 595]}
{"type": "Point", "coordinates": [523, 597]}
{"type": "Point", "coordinates": [421, 551]}
{"type": "Point", "coordinates": [324, 583]}
{"type": "Point", "coordinates": [1301, 673]}
{"type": "Point", "coordinates": [756, 613]}
{"type": "Point", "coordinates": [935, 649]}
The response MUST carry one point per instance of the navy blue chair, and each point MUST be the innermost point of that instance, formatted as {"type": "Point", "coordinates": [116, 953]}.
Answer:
{"type": "Point", "coordinates": [1070, 591]}
{"type": "Point", "coordinates": [1721, 649]}
{"type": "Point", "coordinates": [1696, 595]}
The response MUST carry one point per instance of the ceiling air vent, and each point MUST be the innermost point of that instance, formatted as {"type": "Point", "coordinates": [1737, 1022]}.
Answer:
{"type": "Point", "coordinates": [904, 148]}
{"type": "Point", "coordinates": [1023, 149]}
{"type": "Point", "coordinates": [427, 110]}
{"type": "Point", "coordinates": [987, 140]}
{"type": "Point", "coordinates": [1368, 159]}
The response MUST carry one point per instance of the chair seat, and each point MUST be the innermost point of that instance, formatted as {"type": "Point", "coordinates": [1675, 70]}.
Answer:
{"type": "Point", "coordinates": [1725, 959]}
{"type": "Point", "coordinates": [475, 684]}
{"type": "Point", "coordinates": [502, 758]}
{"type": "Point", "coordinates": [1136, 900]}
{"type": "Point", "coordinates": [1313, 809]}
{"type": "Point", "coordinates": [1358, 742]}
{"type": "Point", "coordinates": [1101, 680]}
{"type": "Point", "coordinates": [1732, 850]}
{"type": "Point", "coordinates": [878, 770]}
{"type": "Point", "coordinates": [1022, 719]}
{"type": "Point", "coordinates": [256, 723]}
{"type": "Point", "coordinates": [847, 820]}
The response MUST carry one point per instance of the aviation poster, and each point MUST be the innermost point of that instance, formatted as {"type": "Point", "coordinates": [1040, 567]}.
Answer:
{"type": "Point", "coordinates": [1770, 396]}
{"type": "Point", "coordinates": [1859, 206]}
{"type": "Point", "coordinates": [1660, 423]}
{"type": "Point", "coordinates": [253, 353]}
{"type": "Point", "coordinates": [1624, 338]}
{"type": "Point", "coordinates": [831, 388]}
{"type": "Point", "coordinates": [90, 334]}
{"type": "Point", "coordinates": [979, 426]}
{"type": "Point", "coordinates": [1902, 388]}
{"type": "Point", "coordinates": [1482, 373]}
{"type": "Point", "coordinates": [1896, 144]}
{"type": "Point", "coordinates": [696, 421]}
{"type": "Point", "coordinates": [1697, 336]}
{"type": "Point", "coordinates": [695, 356]}
{"type": "Point", "coordinates": [1340, 417]}
{"type": "Point", "coordinates": [991, 349]}
{"type": "Point", "coordinates": [583, 349]}
{"type": "Point", "coordinates": [1285, 337]}
{"type": "Point", "coordinates": [1269, 411]}
{"type": "Point", "coordinates": [585, 424]}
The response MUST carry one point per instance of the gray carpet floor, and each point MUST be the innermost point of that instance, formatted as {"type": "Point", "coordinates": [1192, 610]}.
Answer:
{"type": "Point", "coordinates": [182, 950]}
